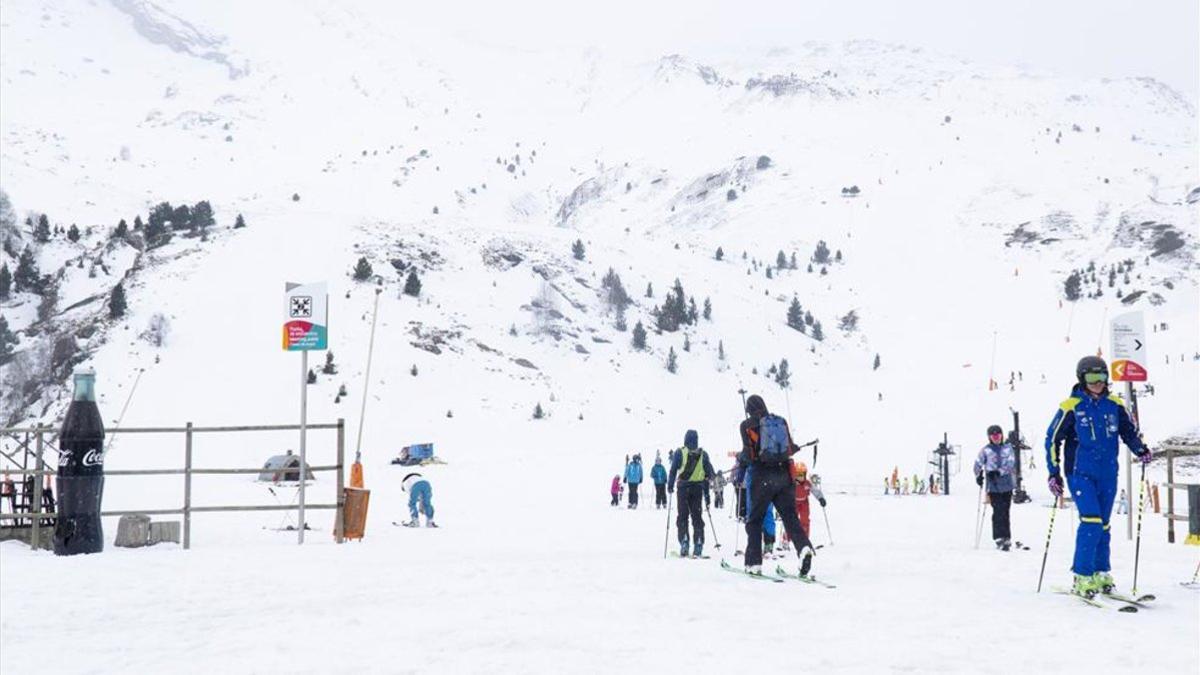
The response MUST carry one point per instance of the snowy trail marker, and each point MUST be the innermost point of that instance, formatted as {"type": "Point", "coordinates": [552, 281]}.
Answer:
{"type": "Point", "coordinates": [305, 329]}
{"type": "Point", "coordinates": [1128, 333]}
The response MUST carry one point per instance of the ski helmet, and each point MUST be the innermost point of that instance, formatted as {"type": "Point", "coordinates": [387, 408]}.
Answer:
{"type": "Point", "coordinates": [995, 429]}
{"type": "Point", "coordinates": [1089, 364]}
{"type": "Point", "coordinates": [801, 469]}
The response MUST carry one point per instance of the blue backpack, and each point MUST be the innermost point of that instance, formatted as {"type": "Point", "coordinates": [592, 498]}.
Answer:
{"type": "Point", "coordinates": [773, 445]}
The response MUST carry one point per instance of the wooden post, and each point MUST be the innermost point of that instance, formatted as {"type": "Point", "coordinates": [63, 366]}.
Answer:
{"type": "Point", "coordinates": [187, 488]}
{"type": "Point", "coordinates": [339, 521]}
{"type": "Point", "coordinates": [36, 538]}
{"type": "Point", "coordinates": [1170, 495]}
{"type": "Point", "coordinates": [303, 434]}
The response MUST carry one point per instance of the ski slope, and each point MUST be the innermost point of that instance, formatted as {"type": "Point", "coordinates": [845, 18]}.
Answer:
{"type": "Point", "coordinates": [532, 571]}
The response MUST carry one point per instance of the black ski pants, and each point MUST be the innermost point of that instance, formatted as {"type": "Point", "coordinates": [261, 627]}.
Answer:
{"type": "Point", "coordinates": [1000, 502]}
{"type": "Point", "coordinates": [772, 485]}
{"type": "Point", "coordinates": [691, 504]}
{"type": "Point", "coordinates": [660, 494]}
{"type": "Point", "coordinates": [633, 495]}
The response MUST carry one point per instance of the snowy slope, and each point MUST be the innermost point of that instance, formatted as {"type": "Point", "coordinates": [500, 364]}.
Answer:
{"type": "Point", "coordinates": [374, 123]}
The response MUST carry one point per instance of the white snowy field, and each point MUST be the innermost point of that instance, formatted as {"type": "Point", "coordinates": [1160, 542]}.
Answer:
{"type": "Point", "coordinates": [532, 571]}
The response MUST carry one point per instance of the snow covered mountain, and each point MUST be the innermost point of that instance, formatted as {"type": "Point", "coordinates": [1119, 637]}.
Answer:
{"type": "Point", "coordinates": [953, 203]}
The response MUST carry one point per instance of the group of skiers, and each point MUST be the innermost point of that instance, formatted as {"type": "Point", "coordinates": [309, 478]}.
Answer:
{"type": "Point", "coordinates": [901, 486]}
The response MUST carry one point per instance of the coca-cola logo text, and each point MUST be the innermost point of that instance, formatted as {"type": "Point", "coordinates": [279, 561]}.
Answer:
{"type": "Point", "coordinates": [93, 458]}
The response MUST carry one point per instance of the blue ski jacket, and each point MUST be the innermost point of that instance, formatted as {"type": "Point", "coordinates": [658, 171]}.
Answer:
{"type": "Point", "coordinates": [1083, 436]}
{"type": "Point", "coordinates": [659, 473]}
{"type": "Point", "coordinates": [999, 463]}
{"type": "Point", "coordinates": [633, 472]}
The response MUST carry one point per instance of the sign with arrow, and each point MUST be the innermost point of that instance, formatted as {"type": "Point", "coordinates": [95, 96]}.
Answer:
{"type": "Point", "coordinates": [1129, 348]}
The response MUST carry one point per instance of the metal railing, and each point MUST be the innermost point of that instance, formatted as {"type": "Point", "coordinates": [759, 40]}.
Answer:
{"type": "Point", "coordinates": [36, 516]}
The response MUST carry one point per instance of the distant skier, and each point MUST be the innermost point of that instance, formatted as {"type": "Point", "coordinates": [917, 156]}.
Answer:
{"type": "Point", "coordinates": [1123, 503]}
{"type": "Point", "coordinates": [1082, 442]}
{"type": "Point", "coordinates": [997, 464]}
{"type": "Point", "coordinates": [633, 478]}
{"type": "Point", "coordinates": [658, 474]}
{"type": "Point", "coordinates": [767, 446]}
{"type": "Point", "coordinates": [718, 486]}
{"type": "Point", "coordinates": [690, 464]}
{"type": "Point", "coordinates": [616, 491]}
{"type": "Point", "coordinates": [420, 500]}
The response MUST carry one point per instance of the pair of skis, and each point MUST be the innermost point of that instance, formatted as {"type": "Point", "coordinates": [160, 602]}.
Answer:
{"type": "Point", "coordinates": [675, 554]}
{"type": "Point", "coordinates": [1129, 604]}
{"type": "Point", "coordinates": [781, 575]}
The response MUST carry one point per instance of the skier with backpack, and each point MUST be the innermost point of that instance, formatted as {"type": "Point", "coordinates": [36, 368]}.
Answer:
{"type": "Point", "coordinates": [633, 478]}
{"type": "Point", "coordinates": [694, 470]}
{"type": "Point", "coordinates": [658, 474]}
{"type": "Point", "coordinates": [767, 447]}
{"type": "Point", "coordinates": [1082, 444]}
{"type": "Point", "coordinates": [996, 464]}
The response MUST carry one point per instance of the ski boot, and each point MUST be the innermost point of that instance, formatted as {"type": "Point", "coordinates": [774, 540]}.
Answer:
{"type": "Point", "coordinates": [806, 556]}
{"type": "Point", "coordinates": [756, 570]}
{"type": "Point", "coordinates": [683, 548]}
{"type": "Point", "coordinates": [412, 523]}
{"type": "Point", "coordinates": [768, 550]}
{"type": "Point", "coordinates": [697, 549]}
{"type": "Point", "coordinates": [1084, 586]}
{"type": "Point", "coordinates": [430, 523]}
{"type": "Point", "coordinates": [1103, 582]}
{"type": "Point", "coordinates": [1004, 544]}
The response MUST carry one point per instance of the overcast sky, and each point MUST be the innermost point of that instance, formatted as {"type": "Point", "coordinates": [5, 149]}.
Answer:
{"type": "Point", "coordinates": [1087, 38]}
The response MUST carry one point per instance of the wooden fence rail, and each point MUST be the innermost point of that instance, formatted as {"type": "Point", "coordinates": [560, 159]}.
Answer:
{"type": "Point", "coordinates": [36, 516]}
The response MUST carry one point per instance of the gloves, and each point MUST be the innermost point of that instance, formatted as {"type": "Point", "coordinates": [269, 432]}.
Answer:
{"type": "Point", "coordinates": [979, 479]}
{"type": "Point", "coordinates": [1146, 457]}
{"type": "Point", "coordinates": [707, 501]}
{"type": "Point", "coordinates": [670, 488]}
{"type": "Point", "coordinates": [993, 475]}
{"type": "Point", "coordinates": [1055, 484]}
{"type": "Point", "coordinates": [821, 501]}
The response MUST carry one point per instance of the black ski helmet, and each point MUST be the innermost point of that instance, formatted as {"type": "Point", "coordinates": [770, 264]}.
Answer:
{"type": "Point", "coordinates": [1089, 364]}
{"type": "Point", "coordinates": [995, 429]}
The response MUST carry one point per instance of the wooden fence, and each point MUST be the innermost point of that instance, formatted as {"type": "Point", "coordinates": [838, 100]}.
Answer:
{"type": "Point", "coordinates": [1173, 451]}
{"type": "Point", "coordinates": [39, 434]}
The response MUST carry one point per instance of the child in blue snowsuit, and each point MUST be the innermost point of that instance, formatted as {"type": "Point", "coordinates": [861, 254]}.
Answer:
{"type": "Point", "coordinates": [1086, 428]}
{"type": "Point", "coordinates": [420, 500]}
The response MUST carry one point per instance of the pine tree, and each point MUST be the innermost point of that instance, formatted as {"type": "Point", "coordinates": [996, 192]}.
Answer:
{"type": "Point", "coordinates": [363, 270]}
{"type": "Point", "coordinates": [649, 290]}
{"type": "Point", "coordinates": [817, 332]}
{"type": "Point", "coordinates": [329, 368]}
{"type": "Point", "coordinates": [810, 268]}
{"type": "Point", "coordinates": [707, 310]}
{"type": "Point", "coordinates": [721, 350]}
{"type": "Point", "coordinates": [769, 273]}
{"type": "Point", "coordinates": [792, 262]}
{"type": "Point", "coordinates": [849, 322]}
{"type": "Point", "coordinates": [821, 253]}
{"type": "Point", "coordinates": [621, 324]}
{"type": "Point", "coordinates": [538, 413]}
{"type": "Point", "coordinates": [42, 232]}
{"type": "Point", "coordinates": [121, 230]}
{"type": "Point", "coordinates": [138, 225]}
{"type": "Point", "coordinates": [181, 218]}
{"type": "Point", "coordinates": [838, 256]}
{"type": "Point", "coordinates": [1071, 287]}
{"type": "Point", "coordinates": [239, 223]}
{"type": "Point", "coordinates": [672, 364]}
{"type": "Point", "coordinates": [116, 302]}
{"type": "Point", "coordinates": [413, 371]}
{"type": "Point", "coordinates": [692, 315]}
{"type": "Point", "coordinates": [202, 216]}
{"type": "Point", "coordinates": [687, 344]}
{"type": "Point", "coordinates": [824, 271]}
{"type": "Point", "coordinates": [5, 282]}
{"type": "Point", "coordinates": [27, 276]}
{"type": "Point", "coordinates": [783, 375]}
{"type": "Point", "coordinates": [795, 315]}
{"type": "Point", "coordinates": [639, 336]}
{"type": "Point", "coordinates": [876, 366]}
{"type": "Point", "coordinates": [808, 318]}
{"type": "Point", "coordinates": [412, 285]}
{"type": "Point", "coordinates": [577, 249]}
{"type": "Point", "coordinates": [312, 376]}
{"type": "Point", "coordinates": [720, 253]}
{"type": "Point", "coordinates": [781, 261]}
{"type": "Point", "coordinates": [73, 233]}
{"type": "Point", "coordinates": [7, 340]}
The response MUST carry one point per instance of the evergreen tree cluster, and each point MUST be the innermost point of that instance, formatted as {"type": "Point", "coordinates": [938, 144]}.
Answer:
{"type": "Point", "coordinates": [8, 340]}
{"type": "Point", "coordinates": [616, 296]}
{"type": "Point", "coordinates": [1079, 281]}
{"type": "Point", "coordinates": [676, 311]}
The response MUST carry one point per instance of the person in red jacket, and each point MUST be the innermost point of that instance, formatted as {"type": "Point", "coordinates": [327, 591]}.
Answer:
{"type": "Point", "coordinates": [804, 488]}
{"type": "Point", "coordinates": [616, 490]}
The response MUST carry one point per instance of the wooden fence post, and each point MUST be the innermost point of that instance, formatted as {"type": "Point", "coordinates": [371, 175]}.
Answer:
{"type": "Point", "coordinates": [187, 489]}
{"type": "Point", "coordinates": [339, 522]}
{"type": "Point", "coordinates": [36, 538]}
{"type": "Point", "coordinates": [1170, 495]}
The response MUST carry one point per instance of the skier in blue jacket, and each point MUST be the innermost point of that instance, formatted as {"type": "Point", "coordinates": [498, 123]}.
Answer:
{"type": "Point", "coordinates": [658, 474]}
{"type": "Point", "coordinates": [633, 478]}
{"type": "Point", "coordinates": [1082, 443]}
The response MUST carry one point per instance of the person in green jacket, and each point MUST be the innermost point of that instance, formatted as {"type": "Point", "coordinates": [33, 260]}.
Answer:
{"type": "Point", "coordinates": [694, 471]}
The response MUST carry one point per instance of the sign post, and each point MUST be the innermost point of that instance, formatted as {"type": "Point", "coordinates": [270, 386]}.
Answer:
{"type": "Point", "coordinates": [305, 329]}
{"type": "Point", "coordinates": [1129, 365]}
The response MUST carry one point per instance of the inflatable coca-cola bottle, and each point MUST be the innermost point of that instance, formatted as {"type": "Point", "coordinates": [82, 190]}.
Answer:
{"type": "Point", "coordinates": [80, 473]}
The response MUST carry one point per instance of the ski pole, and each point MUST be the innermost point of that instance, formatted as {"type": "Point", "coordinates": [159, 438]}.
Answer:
{"type": "Point", "coordinates": [979, 517]}
{"type": "Point", "coordinates": [1049, 532]}
{"type": "Point", "coordinates": [667, 532]}
{"type": "Point", "coordinates": [713, 527]}
{"type": "Point", "coordinates": [1137, 549]}
{"type": "Point", "coordinates": [828, 532]}
{"type": "Point", "coordinates": [1196, 576]}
